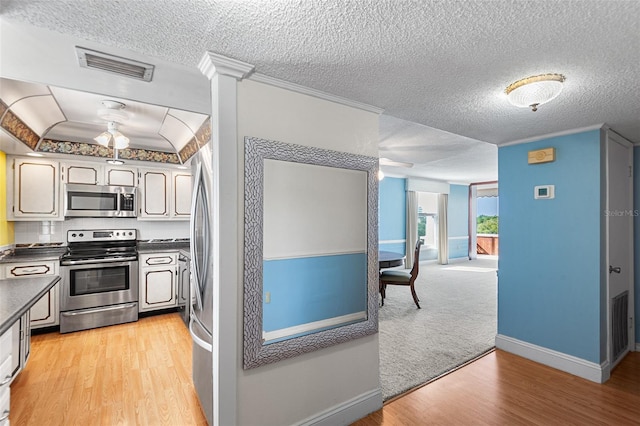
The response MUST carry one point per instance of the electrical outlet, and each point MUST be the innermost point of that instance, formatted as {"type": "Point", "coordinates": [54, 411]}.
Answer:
{"type": "Point", "coordinates": [267, 297]}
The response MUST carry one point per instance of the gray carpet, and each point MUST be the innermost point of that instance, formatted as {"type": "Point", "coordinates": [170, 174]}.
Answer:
{"type": "Point", "coordinates": [457, 323]}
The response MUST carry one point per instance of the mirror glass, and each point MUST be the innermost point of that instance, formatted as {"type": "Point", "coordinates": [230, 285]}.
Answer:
{"type": "Point", "coordinates": [310, 249]}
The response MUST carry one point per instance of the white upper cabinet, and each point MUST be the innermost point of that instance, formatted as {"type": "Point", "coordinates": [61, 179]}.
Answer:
{"type": "Point", "coordinates": [89, 173]}
{"type": "Point", "coordinates": [120, 176]}
{"type": "Point", "coordinates": [84, 173]}
{"type": "Point", "coordinates": [181, 195]}
{"type": "Point", "coordinates": [154, 190]}
{"type": "Point", "coordinates": [164, 195]}
{"type": "Point", "coordinates": [36, 190]}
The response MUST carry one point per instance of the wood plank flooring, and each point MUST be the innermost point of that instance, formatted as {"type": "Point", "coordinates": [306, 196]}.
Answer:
{"type": "Point", "coordinates": [504, 389]}
{"type": "Point", "coordinates": [129, 374]}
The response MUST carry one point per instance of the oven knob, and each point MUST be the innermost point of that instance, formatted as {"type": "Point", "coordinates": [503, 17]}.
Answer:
{"type": "Point", "coordinates": [81, 235]}
{"type": "Point", "coordinates": [130, 233]}
{"type": "Point", "coordinates": [73, 235]}
{"type": "Point", "coordinates": [117, 234]}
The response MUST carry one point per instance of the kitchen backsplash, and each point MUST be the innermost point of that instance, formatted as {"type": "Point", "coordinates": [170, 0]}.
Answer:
{"type": "Point", "coordinates": [52, 231]}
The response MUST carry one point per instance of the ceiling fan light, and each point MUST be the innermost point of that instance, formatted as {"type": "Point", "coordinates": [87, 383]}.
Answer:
{"type": "Point", "coordinates": [120, 141]}
{"type": "Point", "coordinates": [535, 91]}
{"type": "Point", "coordinates": [103, 138]}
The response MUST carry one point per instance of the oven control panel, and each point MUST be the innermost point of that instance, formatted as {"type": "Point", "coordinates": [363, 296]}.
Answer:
{"type": "Point", "coordinates": [89, 235]}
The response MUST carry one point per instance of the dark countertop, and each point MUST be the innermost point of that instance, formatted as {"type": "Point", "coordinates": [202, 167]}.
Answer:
{"type": "Point", "coordinates": [33, 255]}
{"type": "Point", "coordinates": [162, 247]}
{"type": "Point", "coordinates": [18, 295]}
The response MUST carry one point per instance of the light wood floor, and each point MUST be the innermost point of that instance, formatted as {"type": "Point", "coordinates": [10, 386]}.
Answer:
{"type": "Point", "coordinates": [129, 374]}
{"type": "Point", "coordinates": [504, 389]}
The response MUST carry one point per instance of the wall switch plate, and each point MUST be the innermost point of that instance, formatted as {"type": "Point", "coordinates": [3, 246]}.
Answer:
{"type": "Point", "coordinates": [544, 192]}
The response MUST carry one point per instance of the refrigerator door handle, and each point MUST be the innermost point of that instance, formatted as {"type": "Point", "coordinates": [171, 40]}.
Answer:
{"type": "Point", "coordinates": [196, 339]}
{"type": "Point", "coordinates": [192, 232]}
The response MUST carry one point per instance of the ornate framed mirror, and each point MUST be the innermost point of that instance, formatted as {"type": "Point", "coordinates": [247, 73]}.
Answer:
{"type": "Point", "coordinates": [310, 249]}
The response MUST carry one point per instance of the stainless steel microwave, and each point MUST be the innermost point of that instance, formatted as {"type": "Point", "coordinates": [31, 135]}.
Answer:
{"type": "Point", "coordinates": [99, 201]}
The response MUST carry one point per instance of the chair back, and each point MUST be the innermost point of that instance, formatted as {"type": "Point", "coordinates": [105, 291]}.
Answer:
{"type": "Point", "coordinates": [416, 259]}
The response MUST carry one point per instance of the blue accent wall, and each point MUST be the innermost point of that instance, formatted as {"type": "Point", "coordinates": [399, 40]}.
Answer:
{"type": "Point", "coordinates": [392, 211]}
{"type": "Point", "coordinates": [636, 206]}
{"type": "Point", "coordinates": [333, 286]}
{"type": "Point", "coordinates": [549, 287]}
{"type": "Point", "coordinates": [458, 221]}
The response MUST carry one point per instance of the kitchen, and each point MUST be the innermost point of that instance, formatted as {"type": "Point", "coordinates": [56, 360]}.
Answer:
{"type": "Point", "coordinates": [116, 233]}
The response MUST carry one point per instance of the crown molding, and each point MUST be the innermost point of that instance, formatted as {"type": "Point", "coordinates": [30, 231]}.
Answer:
{"type": "Point", "coordinates": [213, 63]}
{"type": "Point", "coordinates": [553, 135]}
{"type": "Point", "coordinates": [261, 78]}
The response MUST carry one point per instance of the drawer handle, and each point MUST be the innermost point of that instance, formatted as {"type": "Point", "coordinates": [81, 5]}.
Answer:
{"type": "Point", "coordinates": [5, 381]}
{"type": "Point", "coordinates": [5, 416]}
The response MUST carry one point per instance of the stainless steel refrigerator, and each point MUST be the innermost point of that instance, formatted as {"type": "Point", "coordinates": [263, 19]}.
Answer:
{"type": "Point", "coordinates": [201, 322]}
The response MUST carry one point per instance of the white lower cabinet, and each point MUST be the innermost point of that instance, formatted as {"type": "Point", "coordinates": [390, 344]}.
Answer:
{"type": "Point", "coordinates": [45, 313]}
{"type": "Point", "coordinates": [6, 374]}
{"type": "Point", "coordinates": [158, 281]}
{"type": "Point", "coordinates": [15, 347]}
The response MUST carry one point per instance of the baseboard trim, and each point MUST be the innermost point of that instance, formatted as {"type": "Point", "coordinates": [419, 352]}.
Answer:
{"type": "Point", "coordinates": [348, 411]}
{"type": "Point", "coordinates": [637, 346]}
{"type": "Point", "coordinates": [598, 373]}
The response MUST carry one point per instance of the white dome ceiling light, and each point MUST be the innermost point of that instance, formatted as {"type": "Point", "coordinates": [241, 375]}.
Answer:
{"type": "Point", "coordinates": [534, 91]}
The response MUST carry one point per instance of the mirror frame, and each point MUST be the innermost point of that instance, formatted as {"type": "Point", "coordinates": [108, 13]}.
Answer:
{"type": "Point", "coordinates": [255, 152]}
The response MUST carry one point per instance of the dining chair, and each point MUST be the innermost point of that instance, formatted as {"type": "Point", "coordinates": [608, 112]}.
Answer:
{"type": "Point", "coordinates": [396, 277]}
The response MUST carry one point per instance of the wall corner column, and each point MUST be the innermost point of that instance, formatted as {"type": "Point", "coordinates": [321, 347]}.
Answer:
{"type": "Point", "coordinates": [224, 73]}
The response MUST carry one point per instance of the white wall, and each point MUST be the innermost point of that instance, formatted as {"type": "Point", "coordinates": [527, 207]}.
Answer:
{"type": "Point", "coordinates": [296, 389]}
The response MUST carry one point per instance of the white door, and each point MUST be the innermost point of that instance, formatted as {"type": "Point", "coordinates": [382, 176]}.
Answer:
{"type": "Point", "coordinates": [619, 268]}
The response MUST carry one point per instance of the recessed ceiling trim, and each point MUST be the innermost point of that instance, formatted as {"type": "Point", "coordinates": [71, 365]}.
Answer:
{"type": "Point", "coordinates": [114, 64]}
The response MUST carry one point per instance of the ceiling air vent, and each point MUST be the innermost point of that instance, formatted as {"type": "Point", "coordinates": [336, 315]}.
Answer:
{"type": "Point", "coordinates": [114, 64]}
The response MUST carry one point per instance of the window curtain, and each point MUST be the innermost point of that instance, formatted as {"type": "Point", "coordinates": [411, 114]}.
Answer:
{"type": "Point", "coordinates": [412, 227]}
{"type": "Point", "coordinates": [443, 234]}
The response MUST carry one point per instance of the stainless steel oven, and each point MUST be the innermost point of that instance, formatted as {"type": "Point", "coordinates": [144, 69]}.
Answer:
{"type": "Point", "coordinates": [99, 279]}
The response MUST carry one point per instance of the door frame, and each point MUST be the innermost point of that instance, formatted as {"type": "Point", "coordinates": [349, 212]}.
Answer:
{"type": "Point", "coordinates": [610, 137]}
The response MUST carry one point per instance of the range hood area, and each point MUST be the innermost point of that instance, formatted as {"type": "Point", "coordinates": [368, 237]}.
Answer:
{"type": "Point", "coordinates": [49, 119]}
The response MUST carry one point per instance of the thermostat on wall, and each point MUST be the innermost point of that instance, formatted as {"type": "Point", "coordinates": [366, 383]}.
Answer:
{"type": "Point", "coordinates": [544, 192]}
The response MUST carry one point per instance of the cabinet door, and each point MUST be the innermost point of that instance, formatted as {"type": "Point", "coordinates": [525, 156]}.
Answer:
{"type": "Point", "coordinates": [16, 347]}
{"type": "Point", "coordinates": [181, 192]}
{"type": "Point", "coordinates": [46, 311]}
{"type": "Point", "coordinates": [154, 194]}
{"type": "Point", "coordinates": [35, 189]}
{"type": "Point", "coordinates": [158, 288]}
{"type": "Point", "coordinates": [87, 173]}
{"type": "Point", "coordinates": [120, 176]}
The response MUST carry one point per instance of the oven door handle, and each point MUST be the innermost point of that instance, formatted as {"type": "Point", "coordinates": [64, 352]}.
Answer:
{"type": "Point", "coordinates": [93, 261]}
{"type": "Point", "coordinates": [100, 309]}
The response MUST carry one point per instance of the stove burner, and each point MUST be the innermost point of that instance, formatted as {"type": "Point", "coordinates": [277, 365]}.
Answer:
{"type": "Point", "coordinates": [85, 246]}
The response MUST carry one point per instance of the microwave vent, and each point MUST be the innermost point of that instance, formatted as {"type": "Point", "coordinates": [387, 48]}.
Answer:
{"type": "Point", "coordinates": [114, 64]}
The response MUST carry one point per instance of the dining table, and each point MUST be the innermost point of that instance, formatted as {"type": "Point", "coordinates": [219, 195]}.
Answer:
{"type": "Point", "coordinates": [389, 259]}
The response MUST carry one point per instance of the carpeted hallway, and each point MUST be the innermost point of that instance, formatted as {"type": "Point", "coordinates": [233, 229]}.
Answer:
{"type": "Point", "coordinates": [457, 322]}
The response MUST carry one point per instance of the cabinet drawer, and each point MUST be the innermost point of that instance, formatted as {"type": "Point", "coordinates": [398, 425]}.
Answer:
{"type": "Point", "coordinates": [158, 259]}
{"type": "Point", "coordinates": [4, 407]}
{"type": "Point", "coordinates": [14, 270]}
{"type": "Point", "coordinates": [5, 374]}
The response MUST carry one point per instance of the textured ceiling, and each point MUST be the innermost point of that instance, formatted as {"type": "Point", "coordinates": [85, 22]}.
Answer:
{"type": "Point", "coordinates": [442, 64]}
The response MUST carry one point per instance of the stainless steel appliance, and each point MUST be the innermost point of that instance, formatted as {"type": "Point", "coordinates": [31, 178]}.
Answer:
{"type": "Point", "coordinates": [99, 201]}
{"type": "Point", "coordinates": [201, 322]}
{"type": "Point", "coordinates": [184, 289]}
{"type": "Point", "coordinates": [99, 279]}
